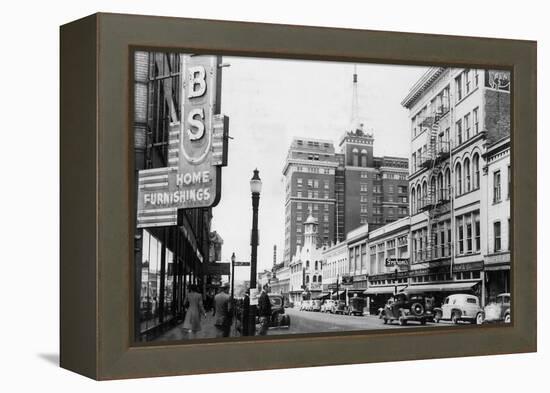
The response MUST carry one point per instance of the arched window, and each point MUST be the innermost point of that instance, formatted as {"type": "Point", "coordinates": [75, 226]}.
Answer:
{"type": "Point", "coordinates": [424, 193]}
{"type": "Point", "coordinates": [413, 200]}
{"type": "Point", "coordinates": [314, 278]}
{"type": "Point", "coordinates": [447, 183]}
{"type": "Point", "coordinates": [355, 157]}
{"type": "Point", "coordinates": [316, 265]}
{"type": "Point", "coordinates": [458, 179]}
{"type": "Point", "coordinates": [440, 187]}
{"type": "Point", "coordinates": [320, 278]}
{"type": "Point", "coordinates": [433, 190]}
{"type": "Point", "coordinates": [475, 169]}
{"type": "Point", "coordinates": [364, 158]}
{"type": "Point", "coordinates": [418, 198]}
{"type": "Point", "coordinates": [467, 178]}
{"type": "Point", "coordinates": [307, 264]}
{"type": "Point", "coordinates": [307, 279]}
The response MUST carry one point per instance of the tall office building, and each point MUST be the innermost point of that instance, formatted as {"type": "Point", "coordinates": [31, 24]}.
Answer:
{"type": "Point", "coordinates": [309, 172]}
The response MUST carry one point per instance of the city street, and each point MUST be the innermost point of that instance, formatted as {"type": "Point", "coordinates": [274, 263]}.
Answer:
{"type": "Point", "coordinates": [317, 322]}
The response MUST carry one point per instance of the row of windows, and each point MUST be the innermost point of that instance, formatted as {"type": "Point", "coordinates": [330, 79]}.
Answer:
{"type": "Point", "coordinates": [312, 183]}
{"type": "Point", "coordinates": [467, 127]}
{"type": "Point", "coordinates": [465, 83]}
{"type": "Point", "coordinates": [312, 206]}
{"type": "Point", "coordinates": [497, 185]}
{"type": "Point", "coordinates": [313, 194]}
{"type": "Point", "coordinates": [466, 179]}
{"type": "Point", "coordinates": [318, 265]}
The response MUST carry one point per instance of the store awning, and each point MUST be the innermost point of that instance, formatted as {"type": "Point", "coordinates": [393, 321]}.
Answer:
{"type": "Point", "coordinates": [379, 291]}
{"type": "Point", "coordinates": [449, 287]}
{"type": "Point", "coordinates": [323, 295]}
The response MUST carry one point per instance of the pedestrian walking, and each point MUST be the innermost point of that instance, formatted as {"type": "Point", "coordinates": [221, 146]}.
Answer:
{"type": "Point", "coordinates": [264, 311]}
{"type": "Point", "coordinates": [223, 311]}
{"type": "Point", "coordinates": [195, 310]}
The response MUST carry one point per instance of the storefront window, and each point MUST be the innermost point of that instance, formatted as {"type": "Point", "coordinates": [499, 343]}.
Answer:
{"type": "Point", "coordinates": [150, 281]}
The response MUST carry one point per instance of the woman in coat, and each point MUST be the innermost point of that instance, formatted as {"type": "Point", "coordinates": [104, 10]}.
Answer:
{"type": "Point", "coordinates": [195, 311]}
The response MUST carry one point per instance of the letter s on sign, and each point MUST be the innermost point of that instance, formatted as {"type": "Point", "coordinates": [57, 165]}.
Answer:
{"type": "Point", "coordinates": [198, 133]}
{"type": "Point", "coordinates": [197, 81]}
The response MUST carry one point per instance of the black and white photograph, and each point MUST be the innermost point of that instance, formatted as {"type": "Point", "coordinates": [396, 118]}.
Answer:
{"type": "Point", "coordinates": [281, 197]}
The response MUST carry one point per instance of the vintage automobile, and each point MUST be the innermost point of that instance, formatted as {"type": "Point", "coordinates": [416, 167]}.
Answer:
{"type": "Point", "coordinates": [460, 307]}
{"type": "Point", "coordinates": [356, 306]}
{"type": "Point", "coordinates": [408, 307]}
{"type": "Point", "coordinates": [278, 316]}
{"type": "Point", "coordinates": [341, 307]}
{"type": "Point", "coordinates": [328, 306]}
{"type": "Point", "coordinates": [316, 305]}
{"type": "Point", "coordinates": [305, 305]}
{"type": "Point", "coordinates": [498, 310]}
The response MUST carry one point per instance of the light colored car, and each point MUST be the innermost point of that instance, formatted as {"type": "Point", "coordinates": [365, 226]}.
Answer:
{"type": "Point", "coordinates": [316, 305]}
{"type": "Point", "coordinates": [328, 306]}
{"type": "Point", "coordinates": [498, 310]}
{"type": "Point", "coordinates": [460, 307]}
{"type": "Point", "coordinates": [306, 305]}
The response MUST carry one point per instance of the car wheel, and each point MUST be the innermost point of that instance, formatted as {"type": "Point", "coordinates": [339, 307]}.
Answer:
{"type": "Point", "coordinates": [454, 318]}
{"type": "Point", "coordinates": [479, 319]}
{"type": "Point", "coordinates": [507, 318]}
{"type": "Point", "coordinates": [437, 316]}
{"type": "Point", "coordinates": [422, 321]}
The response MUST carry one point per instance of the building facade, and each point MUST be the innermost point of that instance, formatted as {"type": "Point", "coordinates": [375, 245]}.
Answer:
{"type": "Point", "coordinates": [375, 189]}
{"type": "Point", "coordinates": [497, 192]}
{"type": "Point", "coordinates": [309, 172]}
{"type": "Point", "coordinates": [306, 265]}
{"type": "Point", "coordinates": [454, 113]}
{"type": "Point", "coordinates": [334, 266]}
{"type": "Point", "coordinates": [166, 259]}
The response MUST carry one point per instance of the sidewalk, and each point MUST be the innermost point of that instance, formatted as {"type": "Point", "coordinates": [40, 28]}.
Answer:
{"type": "Point", "coordinates": [208, 330]}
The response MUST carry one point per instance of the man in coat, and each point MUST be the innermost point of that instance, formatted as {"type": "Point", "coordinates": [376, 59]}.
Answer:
{"type": "Point", "coordinates": [223, 312]}
{"type": "Point", "coordinates": [264, 311]}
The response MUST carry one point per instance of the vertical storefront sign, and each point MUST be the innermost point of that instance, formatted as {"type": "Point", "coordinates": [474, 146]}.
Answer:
{"type": "Point", "coordinates": [197, 149]}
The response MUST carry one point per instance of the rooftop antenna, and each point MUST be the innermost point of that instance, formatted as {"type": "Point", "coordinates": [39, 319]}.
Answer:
{"type": "Point", "coordinates": [354, 102]}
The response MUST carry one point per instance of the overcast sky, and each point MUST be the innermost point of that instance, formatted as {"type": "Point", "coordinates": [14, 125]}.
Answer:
{"type": "Point", "coordinates": [269, 101]}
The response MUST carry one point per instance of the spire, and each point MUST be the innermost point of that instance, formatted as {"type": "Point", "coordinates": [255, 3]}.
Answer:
{"type": "Point", "coordinates": [354, 125]}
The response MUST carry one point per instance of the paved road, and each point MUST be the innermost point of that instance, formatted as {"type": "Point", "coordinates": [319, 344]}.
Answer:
{"type": "Point", "coordinates": [317, 322]}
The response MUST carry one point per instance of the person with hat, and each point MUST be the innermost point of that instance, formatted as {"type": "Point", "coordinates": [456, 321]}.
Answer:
{"type": "Point", "coordinates": [264, 310]}
{"type": "Point", "coordinates": [223, 310]}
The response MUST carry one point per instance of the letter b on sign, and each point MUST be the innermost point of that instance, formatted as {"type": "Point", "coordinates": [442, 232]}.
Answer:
{"type": "Point", "coordinates": [197, 81]}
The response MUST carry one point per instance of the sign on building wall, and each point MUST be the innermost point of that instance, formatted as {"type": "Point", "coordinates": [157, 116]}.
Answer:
{"type": "Point", "coordinates": [397, 261]}
{"type": "Point", "coordinates": [497, 79]}
{"type": "Point", "coordinates": [197, 149]}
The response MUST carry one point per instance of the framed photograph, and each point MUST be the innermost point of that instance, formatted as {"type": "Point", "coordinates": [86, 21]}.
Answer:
{"type": "Point", "coordinates": [241, 196]}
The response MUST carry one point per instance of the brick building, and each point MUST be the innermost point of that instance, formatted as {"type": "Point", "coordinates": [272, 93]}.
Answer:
{"type": "Point", "coordinates": [309, 173]}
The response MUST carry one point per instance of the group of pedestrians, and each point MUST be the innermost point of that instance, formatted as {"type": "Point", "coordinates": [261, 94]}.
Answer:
{"type": "Point", "coordinates": [223, 311]}
{"type": "Point", "coordinates": [195, 312]}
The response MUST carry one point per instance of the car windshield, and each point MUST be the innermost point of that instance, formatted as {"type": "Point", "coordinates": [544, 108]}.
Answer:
{"type": "Point", "coordinates": [276, 301]}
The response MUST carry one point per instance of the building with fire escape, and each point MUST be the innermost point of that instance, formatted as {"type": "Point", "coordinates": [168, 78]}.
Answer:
{"type": "Point", "coordinates": [455, 113]}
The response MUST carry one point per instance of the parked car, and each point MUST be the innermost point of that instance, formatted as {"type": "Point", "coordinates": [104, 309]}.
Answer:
{"type": "Point", "coordinates": [341, 307]}
{"type": "Point", "coordinates": [460, 307]}
{"type": "Point", "coordinates": [305, 305]}
{"type": "Point", "coordinates": [356, 306]}
{"type": "Point", "coordinates": [315, 305]}
{"type": "Point", "coordinates": [329, 306]}
{"type": "Point", "coordinates": [498, 310]}
{"type": "Point", "coordinates": [408, 307]}
{"type": "Point", "coordinates": [278, 316]}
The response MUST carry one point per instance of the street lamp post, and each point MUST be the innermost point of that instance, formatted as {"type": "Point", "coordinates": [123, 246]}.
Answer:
{"type": "Point", "coordinates": [255, 189]}
{"type": "Point", "coordinates": [232, 276]}
{"type": "Point", "coordinates": [395, 289]}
